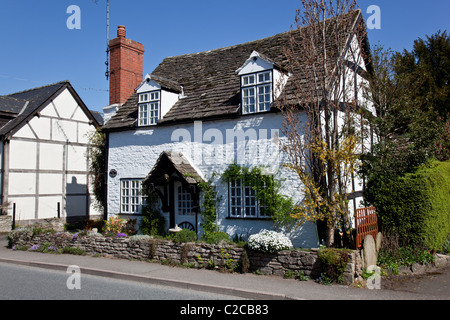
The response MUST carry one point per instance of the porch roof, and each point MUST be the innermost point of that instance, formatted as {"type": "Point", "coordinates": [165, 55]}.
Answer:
{"type": "Point", "coordinates": [170, 163]}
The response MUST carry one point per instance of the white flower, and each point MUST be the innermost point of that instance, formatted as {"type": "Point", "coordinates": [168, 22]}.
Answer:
{"type": "Point", "coordinates": [269, 241]}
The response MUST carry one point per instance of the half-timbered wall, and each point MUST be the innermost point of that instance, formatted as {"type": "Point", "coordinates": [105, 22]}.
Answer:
{"type": "Point", "coordinates": [47, 165]}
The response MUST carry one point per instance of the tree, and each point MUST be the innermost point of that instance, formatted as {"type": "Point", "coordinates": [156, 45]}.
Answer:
{"type": "Point", "coordinates": [321, 123]}
{"type": "Point", "coordinates": [424, 73]}
{"type": "Point", "coordinates": [413, 129]}
{"type": "Point", "coordinates": [411, 94]}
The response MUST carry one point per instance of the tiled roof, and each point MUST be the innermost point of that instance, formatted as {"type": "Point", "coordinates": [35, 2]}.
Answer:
{"type": "Point", "coordinates": [166, 84]}
{"type": "Point", "coordinates": [21, 105]}
{"type": "Point", "coordinates": [10, 105]}
{"type": "Point", "coordinates": [170, 162]}
{"type": "Point", "coordinates": [27, 102]}
{"type": "Point", "coordinates": [210, 81]}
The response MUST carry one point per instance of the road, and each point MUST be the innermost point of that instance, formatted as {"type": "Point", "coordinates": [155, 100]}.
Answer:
{"type": "Point", "coordinates": [435, 283]}
{"type": "Point", "coordinates": [28, 283]}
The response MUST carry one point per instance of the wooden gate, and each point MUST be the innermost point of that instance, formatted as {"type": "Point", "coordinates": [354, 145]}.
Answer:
{"type": "Point", "coordinates": [366, 223]}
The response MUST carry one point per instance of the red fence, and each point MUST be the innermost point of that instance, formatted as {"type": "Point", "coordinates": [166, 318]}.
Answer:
{"type": "Point", "coordinates": [366, 223]}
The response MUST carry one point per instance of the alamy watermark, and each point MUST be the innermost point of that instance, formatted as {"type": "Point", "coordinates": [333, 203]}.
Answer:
{"type": "Point", "coordinates": [243, 146]}
{"type": "Point", "coordinates": [74, 20]}
{"type": "Point", "coordinates": [74, 280]}
{"type": "Point", "coordinates": [374, 21]}
{"type": "Point", "coordinates": [374, 281]}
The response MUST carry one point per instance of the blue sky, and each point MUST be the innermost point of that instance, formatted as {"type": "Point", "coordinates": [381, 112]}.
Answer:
{"type": "Point", "coordinates": [37, 48]}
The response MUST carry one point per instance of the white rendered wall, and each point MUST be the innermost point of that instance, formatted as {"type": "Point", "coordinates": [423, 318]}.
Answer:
{"type": "Point", "coordinates": [211, 147]}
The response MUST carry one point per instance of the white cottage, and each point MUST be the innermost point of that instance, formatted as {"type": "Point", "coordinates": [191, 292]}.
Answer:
{"type": "Point", "coordinates": [188, 121]}
{"type": "Point", "coordinates": [44, 143]}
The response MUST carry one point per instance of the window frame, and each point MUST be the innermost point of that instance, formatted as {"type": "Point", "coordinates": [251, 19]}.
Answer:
{"type": "Point", "coordinates": [149, 108]}
{"type": "Point", "coordinates": [185, 203]}
{"type": "Point", "coordinates": [242, 198]}
{"type": "Point", "coordinates": [252, 103]}
{"type": "Point", "coordinates": [131, 197]}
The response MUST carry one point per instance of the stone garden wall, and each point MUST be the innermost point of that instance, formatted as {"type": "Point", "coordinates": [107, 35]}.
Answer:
{"type": "Point", "coordinates": [5, 224]}
{"type": "Point", "coordinates": [196, 255]}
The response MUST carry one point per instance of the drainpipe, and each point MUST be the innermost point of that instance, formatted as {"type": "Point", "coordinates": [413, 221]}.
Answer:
{"type": "Point", "coordinates": [2, 173]}
{"type": "Point", "coordinates": [105, 191]}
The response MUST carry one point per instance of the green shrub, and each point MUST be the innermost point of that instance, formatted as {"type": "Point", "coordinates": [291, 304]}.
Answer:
{"type": "Point", "coordinates": [446, 249]}
{"type": "Point", "coordinates": [152, 222]}
{"type": "Point", "coordinates": [74, 251]}
{"type": "Point", "coordinates": [216, 237]}
{"type": "Point", "coordinates": [184, 236]}
{"type": "Point", "coordinates": [391, 260]}
{"type": "Point", "coordinates": [416, 205]}
{"type": "Point", "coordinates": [334, 262]}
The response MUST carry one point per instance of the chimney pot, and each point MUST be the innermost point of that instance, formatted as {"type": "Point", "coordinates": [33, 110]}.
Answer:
{"type": "Point", "coordinates": [121, 33]}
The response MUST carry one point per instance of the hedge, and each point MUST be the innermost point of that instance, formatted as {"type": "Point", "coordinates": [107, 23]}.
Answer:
{"type": "Point", "coordinates": [416, 205]}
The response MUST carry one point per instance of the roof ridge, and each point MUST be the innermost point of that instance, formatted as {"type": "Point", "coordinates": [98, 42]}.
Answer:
{"type": "Point", "coordinates": [37, 88]}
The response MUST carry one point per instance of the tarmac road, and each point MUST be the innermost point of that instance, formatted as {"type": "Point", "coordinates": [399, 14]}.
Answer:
{"type": "Point", "coordinates": [30, 283]}
{"type": "Point", "coordinates": [430, 286]}
{"type": "Point", "coordinates": [433, 283]}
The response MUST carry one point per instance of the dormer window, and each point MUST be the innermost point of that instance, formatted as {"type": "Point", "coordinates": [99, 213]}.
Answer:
{"type": "Point", "coordinates": [156, 96]}
{"type": "Point", "coordinates": [256, 89]}
{"type": "Point", "coordinates": [149, 108]}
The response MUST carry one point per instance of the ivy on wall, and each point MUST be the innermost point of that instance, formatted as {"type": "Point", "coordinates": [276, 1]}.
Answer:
{"type": "Point", "coordinates": [277, 206]}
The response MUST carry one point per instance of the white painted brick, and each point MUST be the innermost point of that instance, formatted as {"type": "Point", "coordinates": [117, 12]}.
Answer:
{"type": "Point", "coordinates": [133, 154]}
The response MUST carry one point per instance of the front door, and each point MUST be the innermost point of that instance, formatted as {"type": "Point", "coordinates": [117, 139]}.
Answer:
{"type": "Point", "coordinates": [185, 216]}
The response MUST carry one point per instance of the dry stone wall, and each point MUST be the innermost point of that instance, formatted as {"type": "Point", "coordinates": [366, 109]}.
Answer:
{"type": "Point", "coordinates": [5, 224]}
{"type": "Point", "coordinates": [198, 255]}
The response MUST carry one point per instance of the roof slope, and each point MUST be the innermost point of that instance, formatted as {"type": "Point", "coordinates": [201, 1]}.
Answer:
{"type": "Point", "coordinates": [168, 163]}
{"type": "Point", "coordinates": [210, 81]}
{"type": "Point", "coordinates": [22, 105]}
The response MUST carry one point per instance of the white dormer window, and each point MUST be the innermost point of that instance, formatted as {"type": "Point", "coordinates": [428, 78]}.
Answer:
{"type": "Point", "coordinates": [258, 76]}
{"type": "Point", "coordinates": [256, 89]}
{"type": "Point", "coordinates": [149, 108]}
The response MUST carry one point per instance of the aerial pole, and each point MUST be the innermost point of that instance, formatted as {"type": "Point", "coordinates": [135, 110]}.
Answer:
{"type": "Point", "coordinates": [107, 40]}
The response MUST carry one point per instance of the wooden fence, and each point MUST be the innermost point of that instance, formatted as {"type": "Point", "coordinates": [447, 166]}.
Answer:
{"type": "Point", "coordinates": [366, 223]}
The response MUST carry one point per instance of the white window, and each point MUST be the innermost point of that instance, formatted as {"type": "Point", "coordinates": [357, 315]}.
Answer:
{"type": "Point", "coordinates": [143, 97]}
{"type": "Point", "coordinates": [143, 114]}
{"type": "Point", "coordinates": [184, 202]}
{"type": "Point", "coordinates": [256, 92]}
{"type": "Point", "coordinates": [248, 100]}
{"type": "Point", "coordinates": [243, 200]}
{"type": "Point", "coordinates": [248, 80]}
{"type": "Point", "coordinates": [149, 105]}
{"type": "Point", "coordinates": [131, 198]}
{"type": "Point", "coordinates": [235, 198]}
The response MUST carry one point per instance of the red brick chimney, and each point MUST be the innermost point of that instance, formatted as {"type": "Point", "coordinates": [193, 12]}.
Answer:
{"type": "Point", "coordinates": [126, 67]}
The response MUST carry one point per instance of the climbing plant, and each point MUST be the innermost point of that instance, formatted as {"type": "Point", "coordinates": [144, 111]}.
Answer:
{"type": "Point", "coordinates": [97, 166]}
{"type": "Point", "coordinates": [208, 209]}
{"type": "Point", "coordinates": [279, 207]}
